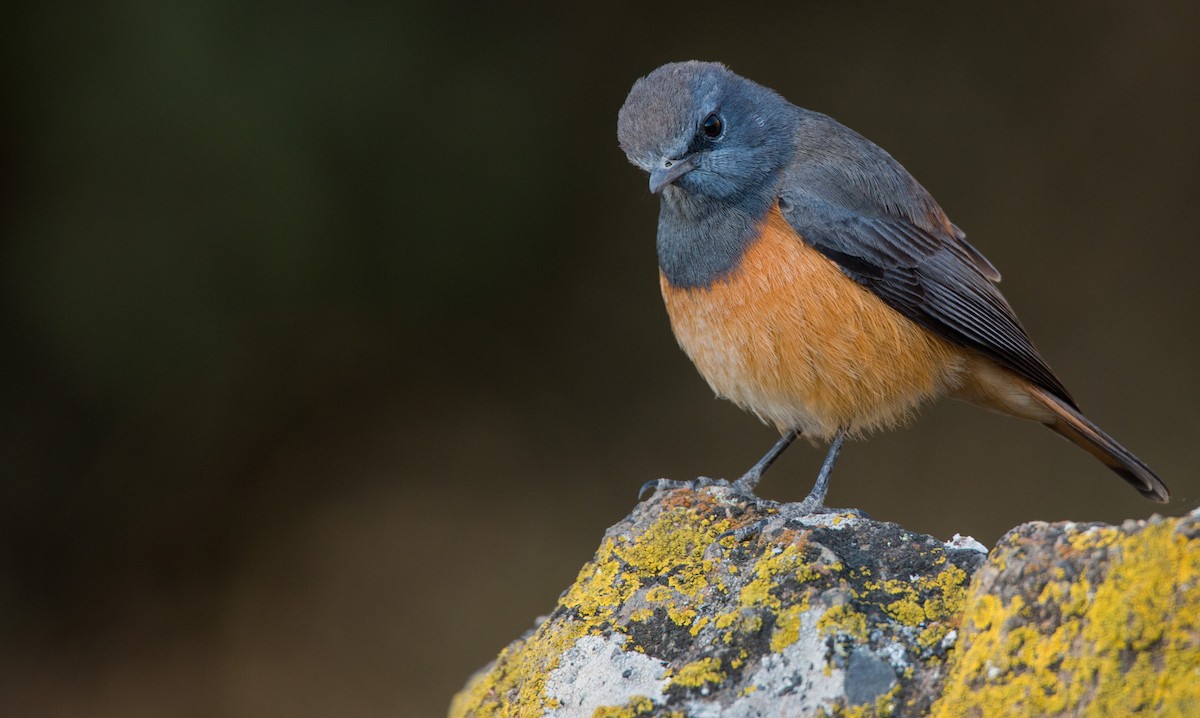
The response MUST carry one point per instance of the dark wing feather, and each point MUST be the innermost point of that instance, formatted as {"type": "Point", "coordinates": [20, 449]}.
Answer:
{"type": "Point", "coordinates": [936, 280]}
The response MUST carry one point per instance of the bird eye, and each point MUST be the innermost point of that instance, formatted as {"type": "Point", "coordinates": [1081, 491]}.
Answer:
{"type": "Point", "coordinates": [712, 126]}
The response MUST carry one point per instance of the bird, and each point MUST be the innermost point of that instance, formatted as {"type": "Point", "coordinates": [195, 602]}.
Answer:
{"type": "Point", "coordinates": [813, 282]}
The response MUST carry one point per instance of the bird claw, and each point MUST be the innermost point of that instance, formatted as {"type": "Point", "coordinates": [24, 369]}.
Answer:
{"type": "Point", "coordinates": [696, 484]}
{"type": "Point", "coordinates": [742, 533]}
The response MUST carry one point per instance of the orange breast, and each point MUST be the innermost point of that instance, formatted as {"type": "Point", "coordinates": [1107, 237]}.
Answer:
{"type": "Point", "coordinates": [791, 338]}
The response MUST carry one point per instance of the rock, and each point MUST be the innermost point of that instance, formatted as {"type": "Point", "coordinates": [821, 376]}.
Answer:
{"type": "Point", "coordinates": [832, 611]}
{"type": "Point", "coordinates": [838, 615]}
{"type": "Point", "coordinates": [1070, 619]}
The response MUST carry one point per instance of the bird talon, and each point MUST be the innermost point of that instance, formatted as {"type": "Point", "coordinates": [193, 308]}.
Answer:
{"type": "Point", "coordinates": [742, 533]}
{"type": "Point", "coordinates": [651, 485]}
{"type": "Point", "coordinates": [670, 484]}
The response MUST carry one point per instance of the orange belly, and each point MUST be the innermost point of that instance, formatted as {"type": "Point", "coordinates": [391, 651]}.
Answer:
{"type": "Point", "coordinates": [791, 338]}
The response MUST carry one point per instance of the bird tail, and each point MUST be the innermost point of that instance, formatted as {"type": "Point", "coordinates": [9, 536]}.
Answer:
{"type": "Point", "coordinates": [1076, 428]}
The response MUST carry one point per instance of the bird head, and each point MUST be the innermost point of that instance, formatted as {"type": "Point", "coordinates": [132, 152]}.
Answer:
{"type": "Point", "coordinates": [705, 134]}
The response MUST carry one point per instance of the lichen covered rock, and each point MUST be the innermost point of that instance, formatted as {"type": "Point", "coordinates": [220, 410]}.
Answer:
{"type": "Point", "coordinates": [835, 615]}
{"type": "Point", "coordinates": [1083, 620]}
{"type": "Point", "coordinates": [830, 614]}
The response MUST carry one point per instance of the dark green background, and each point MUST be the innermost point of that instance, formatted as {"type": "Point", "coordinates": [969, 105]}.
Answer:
{"type": "Point", "coordinates": [331, 337]}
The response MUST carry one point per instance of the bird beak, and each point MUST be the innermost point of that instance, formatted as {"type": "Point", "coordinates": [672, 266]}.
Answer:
{"type": "Point", "coordinates": [668, 171]}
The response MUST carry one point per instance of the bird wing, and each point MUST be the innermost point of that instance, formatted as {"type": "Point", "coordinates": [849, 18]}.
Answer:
{"type": "Point", "coordinates": [932, 277]}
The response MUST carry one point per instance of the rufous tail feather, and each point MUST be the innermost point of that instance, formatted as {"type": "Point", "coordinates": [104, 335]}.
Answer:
{"type": "Point", "coordinates": [1075, 427]}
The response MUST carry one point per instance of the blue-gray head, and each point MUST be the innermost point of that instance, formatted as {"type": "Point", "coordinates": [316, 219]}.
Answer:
{"type": "Point", "coordinates": [706, 134]}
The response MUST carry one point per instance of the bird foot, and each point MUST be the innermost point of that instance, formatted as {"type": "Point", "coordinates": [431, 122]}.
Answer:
{"type": "Point", "coordinates": [739, 488]}
{"type": "Point", "coordinates": [656, 485]}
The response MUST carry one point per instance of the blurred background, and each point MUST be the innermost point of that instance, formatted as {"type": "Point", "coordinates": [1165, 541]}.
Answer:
{"type": "Point", "coordinates": [331, 343]}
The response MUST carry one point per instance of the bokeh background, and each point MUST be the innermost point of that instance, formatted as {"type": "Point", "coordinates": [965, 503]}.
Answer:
{"type": "Point", "coordinates": [330, 337]}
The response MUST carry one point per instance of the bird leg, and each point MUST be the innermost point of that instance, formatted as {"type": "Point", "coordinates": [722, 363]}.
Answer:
{"type": "Point", "coordinates": [750, 479]}
{"type": "Point", "coordinates": [745, 485]}
{"type": "Point", "coordinates": [814, 503]}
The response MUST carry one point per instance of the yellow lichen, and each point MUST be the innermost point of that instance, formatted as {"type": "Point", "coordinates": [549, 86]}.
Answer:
{"type": "Point", "coordinates": [843, 619]}
{"type": "Point", "coordinates": [1149, 600]}
{"type": "Point", "coordinates": [601, 586]}
{"type": "Point", "coordinates": [641, 614]}
{"type": "Point", "coordinates": [673, 545]}
{"type": "Point", "coordinates": [698, 673]}
{"type": "Point", "coordinates": [947, 593]}
{"type": "Point", "coordinates": [767, 571]}
{"type": "Point", "coordinates": [906, 610]}
{"type": "Point", "coordinates": [1128, 645]}
{"type": "Point", "coordinates": [932, 635]}
{"type": "Point", "coordinates": [787, 628]}
{"type": "Point", "coordinates": [682, 616]}
{"type": "Point", "coordinates": [929, 598]}
{"type": "Point", "coordinates": [758, 593]}
{"type": "Point", "coordinates": [1095, 537]}
{"type": "Point", "coordinates": [747, 623]}
{"type": "Point", "coordinates": [636, 706]}
{"type": "Point", "coordinates": [515, 685]}
{"type": "Point", "coordinates": [739, 660]}
{"type": "Point", "coordinates": [658, 594]}
{"type": "Point", "coordinates": [678, 608]}
{"type": "Point", "coordinates": [883, 706]}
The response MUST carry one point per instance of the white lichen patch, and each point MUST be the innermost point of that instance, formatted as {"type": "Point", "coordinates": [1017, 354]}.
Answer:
{"type": "Point", "coordinates": [597, 672]}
